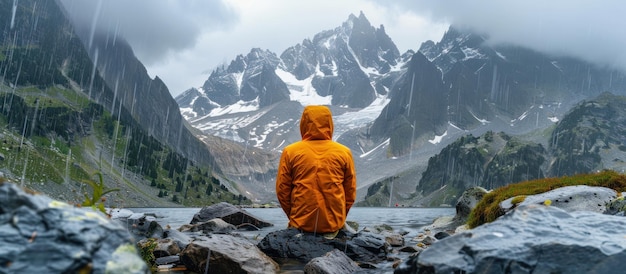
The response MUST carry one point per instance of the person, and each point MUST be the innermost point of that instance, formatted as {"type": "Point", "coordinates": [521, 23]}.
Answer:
{"type": "Point", "coordinates": [316, 180]}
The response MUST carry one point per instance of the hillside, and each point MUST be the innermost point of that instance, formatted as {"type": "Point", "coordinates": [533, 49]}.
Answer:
{"type": "Point", "coordinates": [62, 123]}
{"type": "Point", "coordinates": [589, 138]}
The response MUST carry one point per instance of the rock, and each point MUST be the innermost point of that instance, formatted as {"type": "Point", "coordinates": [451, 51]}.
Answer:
{"type": "Point", "coordinates": [334, 261]}
{"type": "Point", "coordinates": [181, 239]}
{"type": "Point", "coordinates": [291, 243]}
{"type": "Point", "coordinates": [216, 225]}
{"type": "Point", "coordinates": [228, 254]}
{"type": "Point", "coordinates": [41, 235]}
{"type": "Point", "coordinates": [119, 213]}
{"type": "Point", "coordinates": [393, 238]}
{"type": "Point", "coordinates": [140, 225]}
{"type": "Point", "coordinates": [411, 249]}
{"type": "Point", "coordinates": [166, 247]}
{"type": "Point", "coordinates": [425, 240]}
{"type": "Point", "coordinates": [569, 198]}
{"type": "Point", "coordinates": [373, 242]}
{"type": "Point", "coordinates": [124, 260]}
{"type": "Point", "coordinates": [617, 206]}
{"type": "Point", "coordinates": [440, 235]}
{"type": "Point", "coordinates": [351, 225]}
{"type": "Point", "coordinates": [229, 213]}
{"type": "Point", "coordinates": [464, 206]}
{"type": "Point", "coordinates": [530, 239]}
{"type": "Point", "coordinates": [467, 202]}
{"type": "Point", "coordinates": [167, 260]}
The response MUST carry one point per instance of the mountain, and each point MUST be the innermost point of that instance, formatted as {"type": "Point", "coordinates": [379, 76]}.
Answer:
{"type": "Point", "coordinates": [590, 137]}
{"type": "Point", "coordinates": [389, 106]}
{"type": "Point", "coordinates": [335, 65]}
{"type": "Point", "coordinates": [67, 115]}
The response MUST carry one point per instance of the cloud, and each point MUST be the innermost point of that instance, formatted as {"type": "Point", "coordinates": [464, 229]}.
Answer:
{"type": "Point", "coordinates": [590, 30]}
{"type": "Point", "coordinates": [183, 41]}
{"type": "Point", "coordinates": [153, 28]}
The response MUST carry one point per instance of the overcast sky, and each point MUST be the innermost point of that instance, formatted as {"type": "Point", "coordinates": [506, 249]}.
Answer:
{"type": "Point", "coordinates": [182, 41]}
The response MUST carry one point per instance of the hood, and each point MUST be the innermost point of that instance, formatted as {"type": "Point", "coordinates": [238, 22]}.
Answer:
{"type": "Point", "coordinates": [316, 123]}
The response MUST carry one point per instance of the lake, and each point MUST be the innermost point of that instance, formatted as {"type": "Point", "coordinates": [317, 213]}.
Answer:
{"type": "Point", "coordinates": [410, 220]}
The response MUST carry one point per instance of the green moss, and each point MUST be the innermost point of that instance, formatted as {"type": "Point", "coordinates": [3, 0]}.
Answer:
{"type": "Point", "coordinates": [518, 199]}
{"type": "Point", "coordinates": [488, 208]}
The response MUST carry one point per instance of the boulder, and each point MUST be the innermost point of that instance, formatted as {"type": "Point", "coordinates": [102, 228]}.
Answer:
{"type": "Point", "coordinates": [140, 225]}
{"type": "Point", "coordinates": [464, 206]}
{"type": "Point", "coordinates": [302, 246]}
{"type": "Point", "coordinates": [181, 239]}
{"type": "Point", "coordinates": [334, 261]}
{"type": "Point", "coordinates": [393, 238]}
{"type": "Point", "coordinates": [229, 213]}
{"type": "Point", "coordinates": [211, 226]}
{"type": "Point", "coordinates": [41, 235]}
{"type": "Point", "coordinates": [467, 202]}
{"type": "Point", "coordinates": [166, 247]}
{"type": "Point", "coordinates": [228, 254]}
{"type": "Point", "coordinates": [569, 198]}
{"type": "Point", "coordinates": [530, 239]}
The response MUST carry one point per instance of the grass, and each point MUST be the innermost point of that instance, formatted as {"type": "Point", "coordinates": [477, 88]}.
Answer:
{"type": "Point", "coordinates": [96, 199]}
{"type": "Point", "coordinates": [53, 97]}
{"type": "Point", "coordinates": [488, 209]}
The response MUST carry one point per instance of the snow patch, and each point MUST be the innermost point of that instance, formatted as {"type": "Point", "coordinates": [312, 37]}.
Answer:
{"type": "Point", "coordinates": [302, 91]}
{"type": "Point", "coordinates": [386, 142]}
{"type": "Point", "coordinates": [356, 119]}
{"type": "Point", "coordinates": [240, 106]}
{"type": "Point", "coordinates": [438, 139]}
{"type": "Point", "coordinates": [472, 53]}
{"type": "Point", "coordinates": [482, 121]}
{"type": "Point", "coordinates": [500, 55]}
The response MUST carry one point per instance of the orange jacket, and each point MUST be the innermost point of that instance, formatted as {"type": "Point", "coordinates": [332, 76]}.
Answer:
{"type": "Point", "coordinates": [316, 181]}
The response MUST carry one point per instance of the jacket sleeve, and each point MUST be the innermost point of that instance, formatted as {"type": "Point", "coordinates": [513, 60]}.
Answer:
{"type": "Point", "coordinates": [284, 183]}
{"type": "Point", "coordinates": [349, 183]}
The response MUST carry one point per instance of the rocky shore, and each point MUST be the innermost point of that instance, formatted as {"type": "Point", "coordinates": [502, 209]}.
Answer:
{"type": "Point", "coordinates": [576, 229]}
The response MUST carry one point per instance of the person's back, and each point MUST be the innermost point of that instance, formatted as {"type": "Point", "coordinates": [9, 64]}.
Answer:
{"type": "Point", "coordinates": [316, 181]}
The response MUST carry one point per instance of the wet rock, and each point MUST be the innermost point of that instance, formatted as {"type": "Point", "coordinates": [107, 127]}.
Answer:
{"type": "Point", "coordinates": [569, 198]}
{"type": "Point", "coordinates": [440, 235]}
{"type": "Point", "coordinates": [228, 254]}
{"type": "Point", "coordinates": [181, 239]}
{"type": "Point", "coordinates": [530, 239]}
{"type": "Point", "coordinates": [211, 226]}
{"type": "Point", "coordinates": [41, 235]}
{"type": "Point", "coordinates": [166, 247]}
{"type": "Point", "coordinates": [468, 201]}
{"type": "Point", "coordinates": [140, 225]}
{"type": "Point", "coordinates": [334, 261]}
{"type": "Point", "coordinates": [229, 213]}
{"type": "Point", "coordinates": [291, 243]}
{"type": "Point", "coordinates": [392, 238]}
{"type": "Point", "coordinates": [167, 260]}
{"type": "Point", "coordinates": [464, 206]}
{"type": "Point", "coordinates": [616, 206]}
{"type": "Point", "coordinates": [411, 249]}
{"type": "Point", "coordinates": [371, 241]}
{"type": "Point", "coordinates": [425, 240]}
